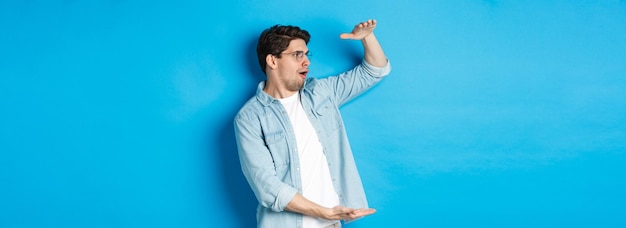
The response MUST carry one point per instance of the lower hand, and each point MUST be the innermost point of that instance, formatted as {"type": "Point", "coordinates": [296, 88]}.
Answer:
{"type": "Point", "coordinates": [344, 213]}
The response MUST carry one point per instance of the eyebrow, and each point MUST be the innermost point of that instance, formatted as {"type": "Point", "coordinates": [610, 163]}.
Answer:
{"type": "Point", "coordinates": [305, 52]}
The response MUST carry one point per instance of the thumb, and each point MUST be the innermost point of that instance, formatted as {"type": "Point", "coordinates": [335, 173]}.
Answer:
{"type": "Point", "coordinates": [346, 36]}
{"type": "Point", "coordinates": [342, 209]}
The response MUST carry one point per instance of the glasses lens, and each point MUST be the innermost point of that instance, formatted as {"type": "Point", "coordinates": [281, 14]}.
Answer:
{"type": "Point", "coordinates": [299, 55]}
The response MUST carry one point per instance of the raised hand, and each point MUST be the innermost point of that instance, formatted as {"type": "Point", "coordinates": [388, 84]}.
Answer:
{"type": "Point", "coordinates": [344, 213]}
{"type": "Point", "coordinates": [360, 30]}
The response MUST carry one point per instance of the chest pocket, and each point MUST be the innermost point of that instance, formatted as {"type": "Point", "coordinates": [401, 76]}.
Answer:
{"type": "Point", "coordinates": [276, 142]}
{"type": "Point", "coordinates": [328, 116]}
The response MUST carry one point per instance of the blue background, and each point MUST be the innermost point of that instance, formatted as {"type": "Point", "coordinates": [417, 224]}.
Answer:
{"type": "Point", "coordinates": [496, 114]}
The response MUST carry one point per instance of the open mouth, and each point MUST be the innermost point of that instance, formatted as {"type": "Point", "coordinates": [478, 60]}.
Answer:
{"type": "Point", "coordinates": [303, 73]}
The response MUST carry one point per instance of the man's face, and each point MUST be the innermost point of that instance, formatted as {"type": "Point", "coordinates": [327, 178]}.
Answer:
{"type": "Point", "coordinates": [291, 72]}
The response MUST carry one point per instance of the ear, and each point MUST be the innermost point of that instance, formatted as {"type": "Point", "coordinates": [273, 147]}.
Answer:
{"type": "Point", "coordinates": [271, 61]}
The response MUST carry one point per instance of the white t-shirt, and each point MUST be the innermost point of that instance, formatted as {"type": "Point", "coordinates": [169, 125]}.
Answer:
{"type": "Point", "coordinates": [317, 185]}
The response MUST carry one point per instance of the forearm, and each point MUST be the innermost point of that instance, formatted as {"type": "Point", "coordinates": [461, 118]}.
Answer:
{"type": "Point", "coordinates": [374, 53]}
{"type": "Point", "coordinates": [301, 205]}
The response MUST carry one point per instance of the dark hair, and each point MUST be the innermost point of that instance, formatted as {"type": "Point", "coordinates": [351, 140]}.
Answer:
{"type": "Point", "coordinates": [275, 40]}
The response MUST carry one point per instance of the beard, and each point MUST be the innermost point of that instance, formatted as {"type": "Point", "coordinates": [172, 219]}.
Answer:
{"type": "Point", "coordinates": [294, 84]}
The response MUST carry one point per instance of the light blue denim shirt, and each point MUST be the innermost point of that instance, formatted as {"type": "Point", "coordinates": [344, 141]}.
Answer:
{"type": "Point", "coordinates": [267, 145]}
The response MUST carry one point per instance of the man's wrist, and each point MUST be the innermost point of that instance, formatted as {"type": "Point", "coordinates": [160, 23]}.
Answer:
{"type": "Point", "coordinates": [322, 212]}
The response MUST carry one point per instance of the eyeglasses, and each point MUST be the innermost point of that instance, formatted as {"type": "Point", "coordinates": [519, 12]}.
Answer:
{"type": "Point", "coordinates": [298, 54]}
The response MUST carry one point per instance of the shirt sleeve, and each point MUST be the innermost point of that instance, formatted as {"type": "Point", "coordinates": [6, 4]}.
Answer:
{"type": "Point", "coordinates": [377, 71]}
{"type": "Point", "coordinates": [352, 83]}
{"type": "Point", "coordinates": [258, 167]}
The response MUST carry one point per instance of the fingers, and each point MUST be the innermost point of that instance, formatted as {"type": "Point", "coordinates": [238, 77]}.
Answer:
{"type": "Point", "coordinates": [344, 213]}
{"type": "Point", "coordinates": [360, 213]}
{"type": "Point", "coordinates": [367, 24]}
{"type": "Point", "coordinates": [343, 210]}
{"type": "Point", "coordinates": [363, 212]}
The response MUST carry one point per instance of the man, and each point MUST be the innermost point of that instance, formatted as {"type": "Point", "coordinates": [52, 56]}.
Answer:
{"type": "Point", "coordinates": [292, 144]}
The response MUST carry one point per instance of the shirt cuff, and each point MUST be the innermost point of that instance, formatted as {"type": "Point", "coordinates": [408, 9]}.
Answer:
{"type": "Point", "coordinates": [285, 195]}
{"type": "Point", "coordinates": [377, 71]}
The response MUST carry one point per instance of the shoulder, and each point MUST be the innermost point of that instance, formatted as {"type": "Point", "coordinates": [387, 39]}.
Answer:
{"type": "Point", "coordinates": [251, 110]}
{"type": "Point", "coordinates": [316, 84]}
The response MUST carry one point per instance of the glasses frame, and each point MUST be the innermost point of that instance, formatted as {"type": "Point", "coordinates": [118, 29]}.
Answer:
{"type": "Point", "coordinates": [298, 54]}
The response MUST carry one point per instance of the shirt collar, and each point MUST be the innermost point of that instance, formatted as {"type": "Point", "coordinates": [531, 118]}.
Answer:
{"type": "Point", "coordinates": [266, 99]}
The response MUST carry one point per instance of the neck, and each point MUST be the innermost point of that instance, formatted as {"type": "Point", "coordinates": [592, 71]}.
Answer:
{"type": "Point", "coordinates": [277, 92]}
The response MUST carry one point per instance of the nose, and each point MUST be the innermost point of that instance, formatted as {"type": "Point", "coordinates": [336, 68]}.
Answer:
{"type": "Point", "coordinates": [306, 62]}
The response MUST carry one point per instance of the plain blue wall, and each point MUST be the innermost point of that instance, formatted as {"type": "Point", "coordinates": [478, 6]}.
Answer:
{"type": "Point", "coordinates": [496, 114]}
